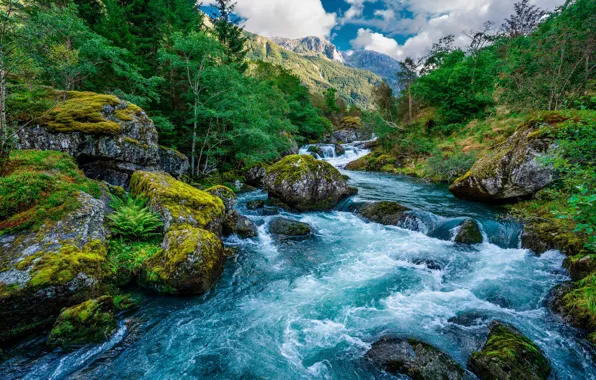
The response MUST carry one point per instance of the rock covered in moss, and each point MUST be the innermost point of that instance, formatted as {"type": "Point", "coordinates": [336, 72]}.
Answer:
{"type": "Point", "coordinates": [110, 138]}
{"type": "Point", "coordinates": [255, 174]}
{"type": "Point", "coordinates": [512, 171]}
{"type": "Point", "coordinates": [288, 227]}
{"type": "Point", "coordinates": [234, 223]}
{"type": "Point", "coordinates": [572, 301]}
{"type": "Point", "coordinates": [508, 354]}
{"type": "Point", "coordinates": [387, 213]}
{"type": "Point", "coordinates": [542, 236]}
{"type": "Point", "coordinates": [469, 233]}
{"type": "Point", "coordinates": [178, 203]}
{"type": "Point", "coordinates": [416, 359]}
{"type": "Point", "coordinates": [306, 184]}
{"type": "Point", "coordinates": [190, 263]}
{"type": "Point", "coordinates": [57, 266]}
{"type": "Point", "coordinates": [340, 150]}
{"type": "Point", "coordinates": [173, 162]}
{"type": "Point", "coordinates": [226, 194]}
{"type": "Point", "coordinates": [92, 321]}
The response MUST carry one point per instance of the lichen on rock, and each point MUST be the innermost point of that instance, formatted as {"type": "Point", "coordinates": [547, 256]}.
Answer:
{"type": "Point", "coordinates": [92, 321]}
{"type": "Point", "coordinates": [306, 184]}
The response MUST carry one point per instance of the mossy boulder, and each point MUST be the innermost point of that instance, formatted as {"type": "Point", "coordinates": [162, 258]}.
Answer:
{"type": "Point", "coordinates": [543, 235]}
{"type": "Point", "coordinates": [226, 194]}
{"type": "Point", "coordinates": [58, 265]}
{"type": "Point", "coordinates": [288, 227]}
{"type": "Point", "coordinates": [573, 301]}
{"type": "Point", "coordinates": [376, 161]}
{"type": "Point", "coordinates": [387, 213]}
{"type": "Point", "coordinates": [234, 223]}
{"type": "Point", "coordinates": [415, 359]}
{"type": "Point", "coordinates": [469, 233]}
{"type": "Point", "coordinates": [512, 171]}
{"type": "Point", "coordinates": [190, 263]}
{"type": "Point", "coordinates": [306, 184]}
{"type": "Point", "coordinates": [177, 203]}
{"type": "Point", "coordinates": [92, 321]}
{"type": "Point", "coordinates": [110, 137]}
{"type": "Point", "coordinates": [508, 354]}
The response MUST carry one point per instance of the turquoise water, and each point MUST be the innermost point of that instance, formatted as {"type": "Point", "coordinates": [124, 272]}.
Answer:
{"type": "Point", "coordinates": [292, 309]}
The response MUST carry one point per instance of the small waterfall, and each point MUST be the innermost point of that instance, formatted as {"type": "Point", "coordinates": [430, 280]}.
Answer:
{"type": "Point", "coordinates": [320, 151]}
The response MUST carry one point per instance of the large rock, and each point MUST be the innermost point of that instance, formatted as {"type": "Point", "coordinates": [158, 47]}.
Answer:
{"type": "Point", "coordinates": [416, 359]}
{"type": "Point", "coordinates": [573, 304]}
{"type": "Point", "coordinates": [177, 203]}
{"type": "Point", "coordinates": [303, 183]}
{"type": "Point", "coordinates": [58, 266]}
{"type": "Point", "coordinates": [511, 172]}
{"type": "Point", "coordinates": [190, 263]}
{"type": "Point", "coordinates": [469, 233]}
{"type": "Point", "coordinates": [173, 162]}
{"type": "Point", "coordinates": [387, 213]}
{"type": "Point", "coordinates": [110, 138]}
{"type": "Point", "coordinates": [93, 321]}
{"type": "Point", "coordinates": [507, 354]}
{"type": "Point", "coordinates": [288, 227]}
{"type": "Point", "coordinates": [234, 223]}
{"type": "Point", "coordinates": [255, 175]}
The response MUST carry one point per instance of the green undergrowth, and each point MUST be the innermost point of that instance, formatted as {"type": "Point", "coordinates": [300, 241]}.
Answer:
{"type": "Point", "coordinates": [581, 304]}
{"type": "Point", "coordinates": [125, 258]}
{"type": "Point", "coordinates": [40, 186]}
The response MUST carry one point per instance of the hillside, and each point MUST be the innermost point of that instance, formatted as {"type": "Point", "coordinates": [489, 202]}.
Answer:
{"type": "Point", "coordinates": [378, 63]}
{"type": "Point", "coordinates": [318, 72]}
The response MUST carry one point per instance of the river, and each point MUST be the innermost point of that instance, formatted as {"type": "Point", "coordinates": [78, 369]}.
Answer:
{"type": "Point", "coordinates": [310, 308]}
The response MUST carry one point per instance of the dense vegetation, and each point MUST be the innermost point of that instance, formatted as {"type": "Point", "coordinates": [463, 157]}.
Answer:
{"type": "Point", "coordinates": [187, 71]}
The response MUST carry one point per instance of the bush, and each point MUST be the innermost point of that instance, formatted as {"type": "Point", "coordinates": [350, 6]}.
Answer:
{"type": "Point", "coordinates": [446, 168]}
{"type": "Point", "coordinates": [133, 220]}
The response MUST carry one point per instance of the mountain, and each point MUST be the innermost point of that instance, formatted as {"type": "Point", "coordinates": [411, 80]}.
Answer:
{"type": "Point", "coordinates": [378, 63]}
{"type": "Point", "coordinates": [311, 58]}
{"type": "Point", "coordinates": [310, 46]}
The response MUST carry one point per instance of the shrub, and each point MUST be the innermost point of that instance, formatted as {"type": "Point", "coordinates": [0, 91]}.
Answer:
{"type": "Point", "coordinates": [133, 220]}
{"type": "Point", "coordinates": [446, 168]}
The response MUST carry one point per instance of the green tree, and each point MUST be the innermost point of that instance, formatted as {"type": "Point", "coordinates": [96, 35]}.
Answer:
{"type": "Point", "coordinates": [406, 77]}
{"type": "Point", "coordinates": [229, 33]}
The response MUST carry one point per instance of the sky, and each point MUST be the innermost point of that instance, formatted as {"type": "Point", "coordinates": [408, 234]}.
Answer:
{"type": "Point", "coordinates": [398, 28]}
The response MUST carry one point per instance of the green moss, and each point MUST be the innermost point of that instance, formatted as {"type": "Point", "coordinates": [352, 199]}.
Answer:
{"type": "Point", "coordinates": [351, 122]}
{"type": "Point", "coordinates": [182, 202]}
{"type": "Point", "coordinates": [126, 258]}
{"type": "Point", "coordinates": [221, 191]}
{"type": "Point", "coordinates": [580, 303]}
{"type": "Point", "coordinates": [58, 268]}
{"type": "Point", "coordinates": [40, 186]}
{"type": "Point", "coordinates": [92, 321]}
{"type": "Point", "coordinates": [292, 168]}
{"type": "Point", "coordinates": [125, 302]}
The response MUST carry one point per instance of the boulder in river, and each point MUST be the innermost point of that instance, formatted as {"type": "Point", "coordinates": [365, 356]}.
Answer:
{"type": "Point", "coordinates": [511, 171]}
{"type": "Point", "coordinates": [469, 233]}
{"type": "Point", "coordinates": [92, 321]}
{"type": "Point", "coordinates": [387, 213]}
{"type": "Point", "coordinates": [255, 175]}
{"type": "Point", "coordinates": [508, 355]}
{"type": "Point", "coordinates": [572, 303]}
{"type": "Point", "coordinates": [234, 223]}
{"type": "Point", "coordinates": [288, 227]}
{"type": "Point", "coordinates": [255, 205]}
{"type": "Point", "coordinates": [109, 137]}
{"type": "Point", "coordinates": [306, 184]}
{"type": "Point", "coordinates": [415, 359]}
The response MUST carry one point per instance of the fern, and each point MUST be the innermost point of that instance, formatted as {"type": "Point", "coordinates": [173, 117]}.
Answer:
{"type": "Point", "coordinates": [133, 220]}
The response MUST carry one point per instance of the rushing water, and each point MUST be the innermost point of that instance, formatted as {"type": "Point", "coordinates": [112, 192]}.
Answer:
{"type": "Point", "coordinates": [310, 308]}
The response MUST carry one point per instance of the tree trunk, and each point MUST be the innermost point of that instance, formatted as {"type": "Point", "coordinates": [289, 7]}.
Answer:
{"type": "Point", "coordinates": [194, 141]}
{"type": "Point", "coordinates": [410, 112]}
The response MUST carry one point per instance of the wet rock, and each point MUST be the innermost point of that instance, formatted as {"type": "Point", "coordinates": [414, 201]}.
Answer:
{"type": "Point", "coordinates": [572, 305]}
{"type": "Point", "coordinates": [287, 227]}
{"type": "Point", "coordinates": [268, 211]}
{"type": "Point", "coordinates": [387, 213]}
{"type": "Point", "coordinates": [315, 151]}
{"type": "Point", "coordinates": [414, 358]}
{"type": "Point", "coordinates": [348, 135]}
{"type": "Point", "coordinates": [469, 233]}
{"type": "Point", "coordinates": [255, 175]}
{"type": "Point", "coordinates": [511, 172]}
{"type": "Point", "coordinates": [236, 224]}
{"type": "Point", "coordinates": [470, 319]}
{"type": "Point", "coordinates": [58, 266]}
{"type": "Point", "coordinates": [110, 138]}
{"type": "Point", "coordinates": [92, 321]}
{"type": "Point", "coordinates": [255, 205]}
{"type": "Point", "coordinates": [306, 184]}
{"type": "Point", "coordinates": [274, 202]}
{"type": "Point", "coordinates": [178, 203]}
{"type": "Point", "coordinates": [580, 266]}
{"type": "Point", "coordinates": [543, 236]}
{"type": "Point", "coordinates": [190, 263]}
{"type": "Point", "coordinates": [339, 150]}
{"type": "Point", "coordinates": [507, 354]}
{"type": "Point", "coordinates": [173, 162]}
{"type": "Point", "coordinates": [429, 263]}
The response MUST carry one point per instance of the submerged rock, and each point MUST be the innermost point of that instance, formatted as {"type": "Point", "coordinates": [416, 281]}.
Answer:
{"type": "Point", "coordinates": [387, 213]}
{"type": "Point", "coordinates": [511, 172]}
{"type": "Point", "coordinates": [255, 205]}
{"type": "Point", "coordinates": [414, 358]}
{"type": "Point", "coordinates": [110, 138]}
{"type": "Point", "coordinates": [190, 263]}
{"type": "Point", "coordinates": [288, 227]}
{"type": "Point", "coordinates": [306, 184]}
{"type": "Point", "coordinates": [469, 233]}
{"type": "Point", "coordinates": [339, 150]}
{"type": "Point", "coordinates": [92, 321]}
{"type": "Point", "coordinates": [507, 354]}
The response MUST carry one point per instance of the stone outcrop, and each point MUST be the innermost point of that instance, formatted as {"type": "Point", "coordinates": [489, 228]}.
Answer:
{"type": "Point", "coordinates": [415, 359]}
{"type": "Point", "coordinates": [507, 354]}
{"type": "Point", "coordinates": [234, 223]}
{"type": "Point", "coordinates": [57, 266]}
{"type": "Point", "coordinates": [110, 138]}
{"type": "Point", "coordinates": [572, 303]}
{"type": "Point", "coordinates": [255, 175]}
{"type": "Point", "coordinates": [93, 321]}
{"type": "Point", "coordinates": [303, 183]}
{"type": "Point", "coordinates": [348, 135]}
{"type": "Point", "coordinates": [469, 233]}
{"type": "Point", "coordinates": [288, 227]}
{"type": "Point", "coordinates": [511, 171]}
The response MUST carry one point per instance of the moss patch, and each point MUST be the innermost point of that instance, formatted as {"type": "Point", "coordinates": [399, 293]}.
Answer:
{"type": "Point", "coordinates": [40, 186]}
{"type": "Point", "coordinates": [92, 321]}
{"type": "Point", "coordinates": [125, 259]}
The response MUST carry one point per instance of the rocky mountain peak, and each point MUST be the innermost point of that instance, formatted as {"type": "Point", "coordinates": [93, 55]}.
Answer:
{"type": "Point", "coordinates": [311, 45]}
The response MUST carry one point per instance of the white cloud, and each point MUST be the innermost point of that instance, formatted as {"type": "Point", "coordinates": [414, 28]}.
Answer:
{"type": "Point", "coordinates": [431, 20]}
{"type": "Point", "coordinates": [285, 18]}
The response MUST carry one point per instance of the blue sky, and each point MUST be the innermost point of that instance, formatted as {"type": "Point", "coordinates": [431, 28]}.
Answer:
{"type": "Point", "coordinates": [398, 28]}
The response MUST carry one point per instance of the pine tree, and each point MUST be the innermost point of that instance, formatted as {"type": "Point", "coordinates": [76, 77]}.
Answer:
{"type": "Point", "coordinates": [229, 33]}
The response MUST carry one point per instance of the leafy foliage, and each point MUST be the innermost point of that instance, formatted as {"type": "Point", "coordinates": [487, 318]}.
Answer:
{"type": "Point", "coordinates": [133, 220]}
